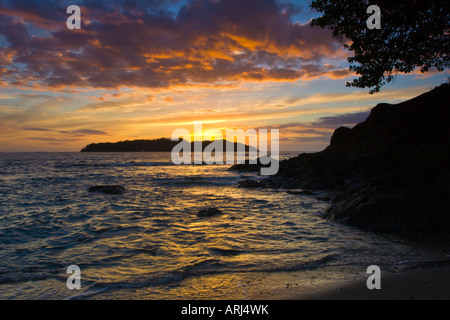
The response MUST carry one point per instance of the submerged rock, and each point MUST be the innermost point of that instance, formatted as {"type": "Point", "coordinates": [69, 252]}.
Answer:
{"type": "Point", "coordinates": [248, 166]}
{"type": "Point", "coordinates": [249, 183]}
{"type": "Point", "coordinates": [208, 212]}
{"type": "Point", "coordinates": [302, 193]}
{"type": "Point", "coordinates": [115, 189]}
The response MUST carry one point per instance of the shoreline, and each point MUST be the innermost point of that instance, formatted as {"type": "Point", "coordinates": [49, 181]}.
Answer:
{"type": "Point", "coordinates": [422, 283]}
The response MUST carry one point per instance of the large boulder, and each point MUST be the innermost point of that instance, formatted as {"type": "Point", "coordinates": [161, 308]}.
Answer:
{"type": "Point", "coordinates": [389, 172]}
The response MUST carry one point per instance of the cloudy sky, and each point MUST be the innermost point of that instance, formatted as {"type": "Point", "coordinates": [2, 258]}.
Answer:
{"type": "Point", "coordinates": [141, 69]}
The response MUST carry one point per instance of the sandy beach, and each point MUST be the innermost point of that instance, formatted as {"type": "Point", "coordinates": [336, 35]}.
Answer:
{"type": "Point", "coordinates": [430, 283]}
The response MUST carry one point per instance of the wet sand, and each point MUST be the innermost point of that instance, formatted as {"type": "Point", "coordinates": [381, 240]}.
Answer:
{"type": "Point", "coordinates": [421, 284]}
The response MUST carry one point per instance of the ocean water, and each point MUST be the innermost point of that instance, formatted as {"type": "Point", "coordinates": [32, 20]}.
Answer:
{"type": "Point", "coordinates": [149, 243]}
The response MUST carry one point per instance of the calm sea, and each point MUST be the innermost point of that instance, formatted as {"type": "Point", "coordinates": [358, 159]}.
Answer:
{"type": "Point", "coordinates": [149, 243]}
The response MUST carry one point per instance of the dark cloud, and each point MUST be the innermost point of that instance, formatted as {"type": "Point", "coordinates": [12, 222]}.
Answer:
{"type": "Point", "coordinates": [159, 43]}
{"type": "Point", "coordinates": [89, 132]}
{"type": "Point", "coordinates": [348, 119]}
{"type": "Point", "coordinates": [79, 132]}
{"type": "Point", "coordinates": [330, 122]}
{"type": "Point", "coordinates": [54, 140]}
{"type": "Point", "coordinates": [36, 129]}
{"type": "Point", "coordinates": [320, 130]}
{"type": "Point", "coordinates": [35, 96]}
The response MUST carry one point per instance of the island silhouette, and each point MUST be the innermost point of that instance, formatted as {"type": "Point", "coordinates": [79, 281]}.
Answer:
{"type": "Point", "coordinates": [156, 145]}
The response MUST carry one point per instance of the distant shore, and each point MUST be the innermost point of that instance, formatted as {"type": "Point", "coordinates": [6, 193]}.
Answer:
{"type": "Point", "coordinates": [430, 283]}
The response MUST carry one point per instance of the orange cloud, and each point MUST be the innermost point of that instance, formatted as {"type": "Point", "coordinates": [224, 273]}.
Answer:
{"type": "Point", "coordinates": [208, 43]}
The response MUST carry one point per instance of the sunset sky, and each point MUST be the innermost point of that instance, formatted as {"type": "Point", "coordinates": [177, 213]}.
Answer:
{"type": "Point", "coordinates": [141, 69]}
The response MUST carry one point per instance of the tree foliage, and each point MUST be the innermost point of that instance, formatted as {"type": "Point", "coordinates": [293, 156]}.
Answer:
{"type": "Point", "coordinates": [414, 34]}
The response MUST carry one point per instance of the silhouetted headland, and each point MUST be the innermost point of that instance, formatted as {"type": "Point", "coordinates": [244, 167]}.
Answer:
{"type": "Point", "coordinates": [390, 172]}
{"type": "Point", "coordinates": [155, 145]}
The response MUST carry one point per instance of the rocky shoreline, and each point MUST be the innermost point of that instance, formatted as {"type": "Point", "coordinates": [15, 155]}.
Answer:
{"type": "Point", "coordinates": [388, 173]}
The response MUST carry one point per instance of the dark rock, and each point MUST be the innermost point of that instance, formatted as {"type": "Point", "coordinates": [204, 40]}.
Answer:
{"type": "Point", "coordinates": [302, 193]}
{"type": "Point", "coordinates": [252, 167]}
{"type": "Point", "coordinates": [341, 136]}
{"type": "Point", "coordinates": [248, 183]}
{"type": "Point", "coordinates": [389, 172]}
{"type": "Point", "coordinates": [245, 167]}
{"type": "Point", "coordinates": [208, 212]}
{"type": "Point", "coordinates": [115, 189]}
{"type": "Point", "coordinates": [326, 197]}
{"type": "Point", "coordinates": [385, 209]}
